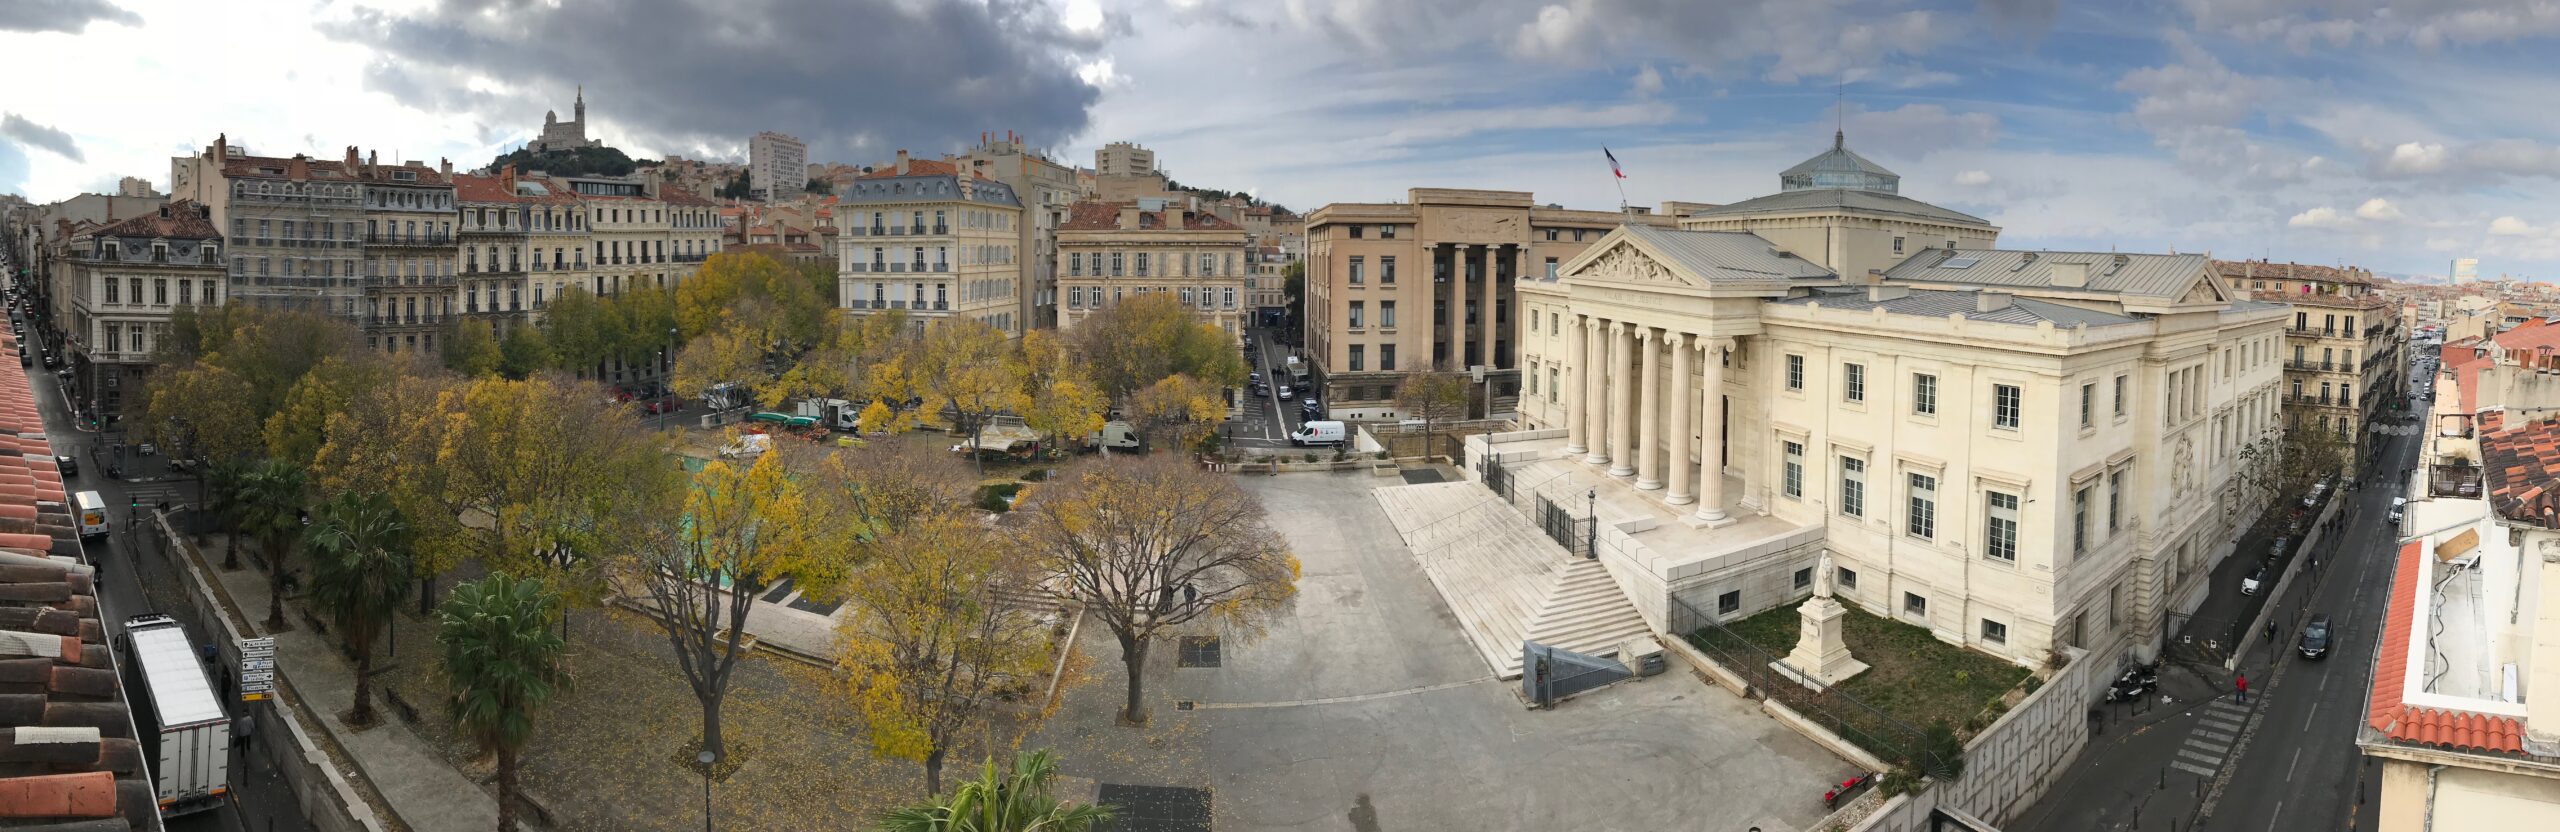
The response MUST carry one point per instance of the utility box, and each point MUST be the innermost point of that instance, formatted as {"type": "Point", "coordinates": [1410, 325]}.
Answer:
{"type": "Point", "coordinates": [1642, 655]}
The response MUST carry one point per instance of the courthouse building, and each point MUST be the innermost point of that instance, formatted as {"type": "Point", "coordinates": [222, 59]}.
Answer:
{"type": "Point", "coordinates": [2009, 448]}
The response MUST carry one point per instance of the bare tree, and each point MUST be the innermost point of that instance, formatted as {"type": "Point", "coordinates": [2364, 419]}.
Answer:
{"type": "Point", "coordinates": [1433, 396]}
{"type": "Point", "coordinates": [1155, 543]}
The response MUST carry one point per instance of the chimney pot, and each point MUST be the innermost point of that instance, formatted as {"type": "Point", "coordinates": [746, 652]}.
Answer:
{"type": "Point", "coordinates": [1991, 301]}
{"type": "Point", "coordinates": [2068, 275]}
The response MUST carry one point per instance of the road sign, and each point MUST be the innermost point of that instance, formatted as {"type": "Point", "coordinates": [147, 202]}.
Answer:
{"type": "Point", "coordinates": [257, 668]}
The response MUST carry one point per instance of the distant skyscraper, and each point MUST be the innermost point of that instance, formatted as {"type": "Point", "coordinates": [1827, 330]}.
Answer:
{"type": "Point", "coordinates": [2465, 270]}
{"type": "Point", "coordinates": [777, 167]}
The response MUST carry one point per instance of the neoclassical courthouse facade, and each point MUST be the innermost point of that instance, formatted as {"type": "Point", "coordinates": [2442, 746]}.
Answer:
{"type": "Point", "coordinates": [2018, 450]}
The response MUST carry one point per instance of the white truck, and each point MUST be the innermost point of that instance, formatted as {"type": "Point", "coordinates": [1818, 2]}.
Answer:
{"type": "Point", "coordinates": [187, 736]}
{"type": "Point", "coordinates": [837, 414]}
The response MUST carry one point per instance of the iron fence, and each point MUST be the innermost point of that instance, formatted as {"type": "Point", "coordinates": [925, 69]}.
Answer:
{"type": "Point", "coordinates": [1569, 530]}
{"type": "Point", "coordinates": [1495, 476]}
{"type": "Point", "coordinates": [1835, 710]}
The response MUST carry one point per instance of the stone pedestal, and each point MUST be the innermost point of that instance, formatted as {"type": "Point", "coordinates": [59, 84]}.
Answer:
{"type": "Point", "coordinates": [1820, 655]}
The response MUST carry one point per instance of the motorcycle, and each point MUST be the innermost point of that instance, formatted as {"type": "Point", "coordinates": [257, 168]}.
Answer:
{"type": "Point", "coordinates": [1831, 799]}
{"type": "Point", "coordinates": [2137, 682]}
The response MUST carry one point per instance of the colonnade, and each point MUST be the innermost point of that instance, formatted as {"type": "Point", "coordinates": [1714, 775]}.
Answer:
{"type": "Point", "coordinates": [1617, 415]}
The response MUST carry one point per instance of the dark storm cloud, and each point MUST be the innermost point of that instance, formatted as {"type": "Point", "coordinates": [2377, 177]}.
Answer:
{"type": "Point", "coordinates": [676, 74]}
{"type": "Point", "coordinates": [36, 135]}
{"type": "Point", "coordinates": [60, 15]}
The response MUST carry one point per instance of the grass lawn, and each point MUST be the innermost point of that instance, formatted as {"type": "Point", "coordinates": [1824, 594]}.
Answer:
{"type": "Point", "coordinates": [1911, 675]}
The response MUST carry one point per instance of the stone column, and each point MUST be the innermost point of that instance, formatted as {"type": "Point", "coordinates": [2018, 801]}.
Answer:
{"type": "Point", "coordinates": [1456, 312]}
{"type": "Point", "coordinates": [1683, 393]}
{"type": "Point", "coordinates": [1595, 390]}
{"type": "Point", "coordinates": [1649, 414]}
{"type": "Point", "coordinates": [1622, 402]}
{"type": "Point", "coordinates": [1711, 451]}
{"type": "Point", "coordinates": [1577, 439]}
{"type": "Point", "coordinates": [1490, 332]}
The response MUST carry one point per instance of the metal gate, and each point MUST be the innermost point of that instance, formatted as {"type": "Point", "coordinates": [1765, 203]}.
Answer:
{"type": "Point", "coordinates": [1572, 533]}
{"type": "Point", "coordinates": [1548, 674]}
{"type": "Point", "coordinates": [1496, 478]}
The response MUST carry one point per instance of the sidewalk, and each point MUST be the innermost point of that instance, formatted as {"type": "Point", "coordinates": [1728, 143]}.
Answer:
{"type": "Point", "coordinates": [425, 791]}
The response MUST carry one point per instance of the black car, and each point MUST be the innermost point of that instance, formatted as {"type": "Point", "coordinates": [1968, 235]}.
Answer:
{"type": "Point", "coordinates": [2315, 638]}
{"type": "Point", "coordinates": [70, 466]}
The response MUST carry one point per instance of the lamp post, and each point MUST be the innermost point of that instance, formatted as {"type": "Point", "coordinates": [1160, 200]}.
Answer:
{"type": "Point", "coordinates": [1591, 539]}
{"type": "Point", "coordinates": [707, 758]}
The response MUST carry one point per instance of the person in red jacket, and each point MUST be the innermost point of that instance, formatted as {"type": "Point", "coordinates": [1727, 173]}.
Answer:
{"type": "Point", "coordinates": [2242, 683]}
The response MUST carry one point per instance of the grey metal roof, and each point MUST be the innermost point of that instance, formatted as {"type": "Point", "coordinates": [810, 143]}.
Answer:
{"type": "Point", "coordinates": [2144, 275]}
{"type": "Point", "coordinates": [925, 188]}
{"type": "Point", "coordinates": [1726, 255]}
{"type": "Point", "coordinates": [1939, 303]}
{"type": "Point", "coordinates": [1839, 167]}
{"type": "Point", "coordinates": [1790, 202]}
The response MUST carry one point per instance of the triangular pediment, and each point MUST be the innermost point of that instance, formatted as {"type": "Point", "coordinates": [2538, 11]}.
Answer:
{"type": "Point", "coordinates": [1622, 260]}
{"type": "Point", "coordinates": [2204, 290]}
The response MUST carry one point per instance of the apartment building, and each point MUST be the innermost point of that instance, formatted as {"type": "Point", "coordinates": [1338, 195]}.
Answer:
{"type": "Point", "coordinates": [1266, 285]}
{"type": "Point", "coordinates": [1428, 283]}
{"type": "Point", "coordinates": [1047, 190]}
{"type": "Point", "coordinates": [1124, 159]}
{"type": "Point", "coordinates": [777, 167]}
{"type": "Point", "coordinates": [923, 237]}
{"type": "Point", "coordinates": [293, 226]}
{"type": "Point", "coordinates": [2004, 447]}
{"type": "Point", "coordinates": [123, 280]}
{"type": "Point", "coordinates": [2345, 357]}
{"type": "Point", "coordinates": [2461, 713]}
{"type": "Point", "coordinates": [410, 252]}
{"type": "Point", "coordinates": [1114, 250]}
{"type": "Point", "coordinates": [637, 235]}
{"type": "Point", "coordinates": [512, 230]}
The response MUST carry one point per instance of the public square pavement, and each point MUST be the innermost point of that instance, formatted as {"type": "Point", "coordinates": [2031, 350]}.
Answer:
{"type": "Point", "coordinates": [1364, 708]}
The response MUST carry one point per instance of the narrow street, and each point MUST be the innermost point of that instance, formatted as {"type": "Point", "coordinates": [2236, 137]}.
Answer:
{"type": "Point", "coordinates": [2195, 757]}
{"type": "Point", "coordinates": [1266, 419]}
{"type": "Point", "coordinates": [260, 800]}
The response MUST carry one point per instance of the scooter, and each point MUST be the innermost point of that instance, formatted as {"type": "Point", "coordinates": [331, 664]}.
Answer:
{"type": "Point", "coordinates": [2137, 682]}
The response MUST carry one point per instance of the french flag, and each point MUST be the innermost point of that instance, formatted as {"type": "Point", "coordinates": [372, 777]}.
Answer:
{"type": "Point", "coordinates": [1613, 162]}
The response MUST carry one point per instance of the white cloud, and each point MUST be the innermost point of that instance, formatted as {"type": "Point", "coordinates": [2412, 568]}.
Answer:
{"type": "Point", "coordinates": [2510, 226]}
{"type": "Point", "coordinates": [2414, 158]}
{"type": "Point", "coordinates": [2378, 210]}
{"type": "Point", "coordinates": [2322, 217]}
{"type": "Point", "coordinates": [1974, 178]}
{"type": "Point", "coordinates": [2306, 25]}
{"type": "Point", "coordinates": [1648, 82]}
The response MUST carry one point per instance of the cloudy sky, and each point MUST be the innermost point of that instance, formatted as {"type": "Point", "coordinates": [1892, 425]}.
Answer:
{"type": "Point", "coordinates": [2394, 135]}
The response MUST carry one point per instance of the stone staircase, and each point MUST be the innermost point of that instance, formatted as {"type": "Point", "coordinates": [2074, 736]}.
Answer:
{"type": "Point", "coordinates": [1503, 579]}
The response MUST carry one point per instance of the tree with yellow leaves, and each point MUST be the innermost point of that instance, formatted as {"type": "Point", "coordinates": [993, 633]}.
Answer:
{"type": "Point", "coordinates": [721, 357]}
{"type": "Point", "coordinates": [933, 639]}
{"type": "Point", "coordinates": [1058, 398]}
{"type": "Point", "coordinates": [741, 530]}
{"type": "Point", "coordinates": [961, 366]}
{"type": "Point", "coordinates": [1132, 344]}
{"type": "Point", "coordinates": [1158, 543]}
{"type": "Point", "coordinates": [1185, 402]}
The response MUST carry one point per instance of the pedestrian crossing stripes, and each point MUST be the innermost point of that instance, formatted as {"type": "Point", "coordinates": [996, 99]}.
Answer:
{"type": "Point", "coordinates": [2209, 741]}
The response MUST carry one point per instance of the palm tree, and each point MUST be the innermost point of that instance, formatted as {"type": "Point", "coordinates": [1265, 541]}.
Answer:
{"type": "Point", "coordinates": [504, 663]}
{"type": "Point", "coordinates": [360, 563]}
{"type": "Point", "coordinates": [274, 495]}
{"type": "Point", "coordinates": [224, 487]}
{"type": "Point", "coordinates": [1018, 801]}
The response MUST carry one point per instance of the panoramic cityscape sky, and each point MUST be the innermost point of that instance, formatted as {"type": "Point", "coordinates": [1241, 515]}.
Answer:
{"type": "Point", "coordinates": [2389, 135]}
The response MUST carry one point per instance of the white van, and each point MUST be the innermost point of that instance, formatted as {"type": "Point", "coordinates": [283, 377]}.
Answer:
{"type": "Point", "coordinates": [1318, 433]}
{"type": "Point", "coordinates": [93, 515]}
{"type": "Point", "coordinates": [1114, 435]}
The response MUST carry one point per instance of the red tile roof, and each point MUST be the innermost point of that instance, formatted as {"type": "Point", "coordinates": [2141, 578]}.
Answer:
{"type": "Point", "coordinates": [2523, 473]}
{"type": "Point", "coordinates": [1096, 215]}
{"type": "Point", "coordinates": [88, 773]}
{"type": "Point", "coordinates": [916, 167]}
{"type": "Point", "coordinates": [182, 219]}
{"type": "Point", "coordinates": [2432, 727]}
{"type": "Point", "coordinates": [2264, 270]}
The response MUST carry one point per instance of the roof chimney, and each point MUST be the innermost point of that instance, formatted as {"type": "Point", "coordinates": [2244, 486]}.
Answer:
{"type": "Point", "coordinates": [447, 165]}
{"type": "Point", "coordinates": [902, 162]}
{"type": "Point", "coordinates": [1880, 292]}
{"type": "Point", "coordinates": [1991, 301]}
{"type": "Point", "coordinates": [351, 160]}
{"type": "Point", "coordinates": [2067, 275]}
{"type": "Point", "coordinates": [1176, 218]}
{"type": "Point", "coordinates": [1129, 217]}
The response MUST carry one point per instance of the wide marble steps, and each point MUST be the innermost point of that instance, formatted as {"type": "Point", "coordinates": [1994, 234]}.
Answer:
{"type": "Point", "coordinates": [1505, 580]}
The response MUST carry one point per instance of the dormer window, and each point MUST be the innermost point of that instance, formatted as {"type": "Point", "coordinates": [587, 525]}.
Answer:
{"type": "Point", "coordinates": [404, 176]}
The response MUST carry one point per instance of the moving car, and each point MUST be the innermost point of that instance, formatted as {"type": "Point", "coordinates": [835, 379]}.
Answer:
{"type": "Point", "coordinates": [1287, 393]}
{"type": "Point", "coordinates": [2257, 578]}
{"type": "Point", "coordinates": [1318, 433]}
{"type": "Point", "coordinates": [70, 466]}
{"type": "Point", "coordinates": [2399, 505]}
{"type": "Point", "coordinates": [2314, 643]}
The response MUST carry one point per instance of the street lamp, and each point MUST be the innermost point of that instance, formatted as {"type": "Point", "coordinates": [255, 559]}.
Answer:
{"type": "Point", "coordinates": [706, 758]}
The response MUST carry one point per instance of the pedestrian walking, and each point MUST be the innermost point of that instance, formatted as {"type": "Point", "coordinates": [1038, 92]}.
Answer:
{"type": "Point", "coordinates": [2242, 683]}
{"type": "Point", "coordinates": [243, 730]}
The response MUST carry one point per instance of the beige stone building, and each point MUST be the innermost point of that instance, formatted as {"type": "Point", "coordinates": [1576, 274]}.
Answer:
{"type": "Point", "coordinates": [922, 237]}
{"type": "Point", "coordinates": [2345, 360]}
{"type": "Point", "coordinates": [2004, 447]}
{"type": "Point", "coordinates": [1405, 287]}
{"type": "Point", "coordinates": [121, 281]}
{"type": "Point", "coordinates": [1124, 159]}
{"type": "Point", "coordinates": [1047, 190]}
{"type": "Point", "coordinates": [410, 252]}
{"type": "Point", "coordinates": [1114, 250]}
{"type": "Point", "coordinates": [294, 225]}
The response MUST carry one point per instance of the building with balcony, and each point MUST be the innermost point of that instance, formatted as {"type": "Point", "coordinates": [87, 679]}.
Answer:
{"type": "Point", "coordinates": [510, 229]}
{"type": "Point", "coordinates": [2345, 355]}
{"type": "Point", "coordinates": [2462, 714]}
{"type": "Point", "coordinates": [921, 236]}
{"type": "Point", "coordinates": [1428, 283]}
{"type": "Point", "coordinates": [410, 252]}
{"type": "Point", "coordinates": [121, 282]}
{"type": "Point", "coordinates": [1113, 250]}
{"type": "Point", "coordinates": [1266, 284]}
{"type": "Point", "coordinates": [1047, 191]}
{"type": "Point", "coordinates": [293, 227]}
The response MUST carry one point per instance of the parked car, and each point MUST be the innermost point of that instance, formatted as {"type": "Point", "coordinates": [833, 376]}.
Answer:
{"type": "Point", "coordinates": [2314, 643]}
{"type": "Point", "coordinates": [70, 466]}
{"type": "Point", "coordinates": [2277, 549]}
{"type": "Point", "coordinates": [1310, 406]}
{"type": "Point", "coordinates": [1287, 393]}
{"type": "Point", "coordinates": [1318, 433]}
{"type": "Point", "coordinates": [2257, 578]}
{"type": "Point", "coordinates": [2399, 506]}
